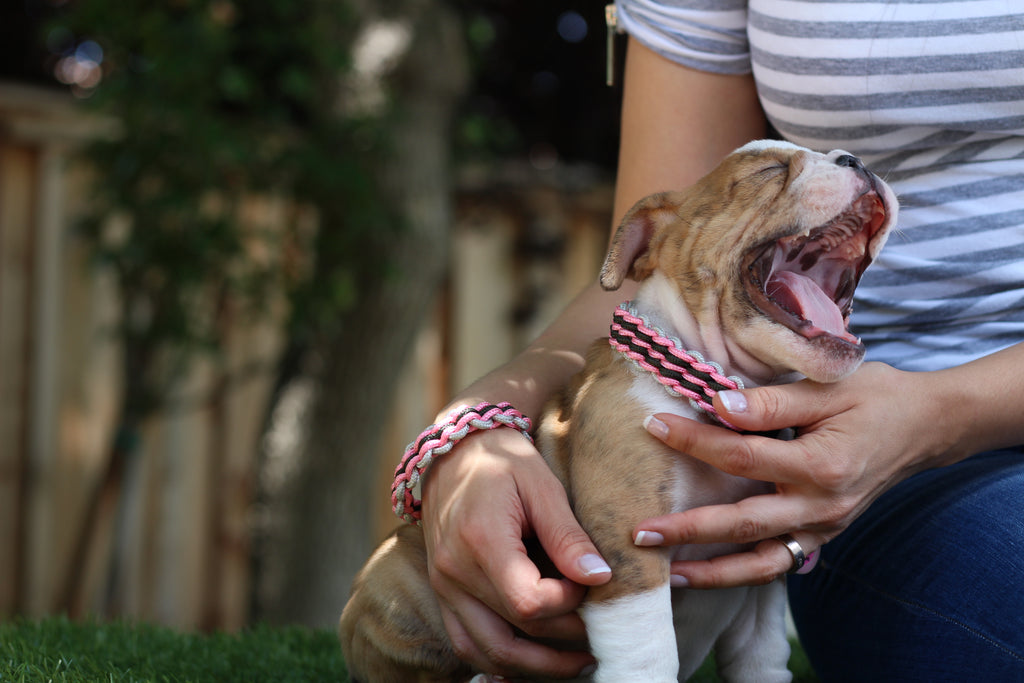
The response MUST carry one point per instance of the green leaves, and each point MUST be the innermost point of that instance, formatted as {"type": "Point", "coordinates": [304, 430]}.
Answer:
{"type": "Point", "coordinates": [221, 106]}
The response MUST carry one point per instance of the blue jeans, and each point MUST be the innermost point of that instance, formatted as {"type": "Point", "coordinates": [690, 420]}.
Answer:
{"type": "Point", "coordinates": [927, 585]}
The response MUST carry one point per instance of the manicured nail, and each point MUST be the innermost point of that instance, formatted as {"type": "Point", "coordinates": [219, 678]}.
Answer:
{"type": "Point", "coordinates": [655, 427]}
{"type": "Point", "coordinates": [677, 581]}
{"type": "Point", "coordinates": [593, 565]}
{"type": "Point", "coordinates": [734, 401]}
{"type": "Point", "coordinates": [809, 564]}
{"type": "Point", "coordinates": [648, 538]}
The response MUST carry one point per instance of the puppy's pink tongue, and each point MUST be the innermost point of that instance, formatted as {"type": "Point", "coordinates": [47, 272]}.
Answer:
{"type": "Point", "coordinates": [803, 296]}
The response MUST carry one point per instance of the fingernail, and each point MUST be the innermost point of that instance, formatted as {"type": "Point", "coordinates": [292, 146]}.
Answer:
{"type": "Point", "coordinates": [588, 669]}
{"type": "Point", "coordinates": [734, 401]}
{"type": "Point", "coordinates": [655, 427]}
{"type": "Point", "coordinates": [809, 564]}
{"type": "Point", "coordinates": [677, 581]}
{"type": "Point", "coordinates": [593, 564]}
{"type": "Point", "coordinates": [648, 538]}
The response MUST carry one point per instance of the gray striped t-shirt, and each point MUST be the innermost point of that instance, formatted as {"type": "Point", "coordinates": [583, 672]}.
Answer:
{"type": "Point", "coordinates": [930, 93]}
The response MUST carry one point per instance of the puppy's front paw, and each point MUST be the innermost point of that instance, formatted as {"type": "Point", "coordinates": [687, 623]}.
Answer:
{"type": "Point", "coordinates": [633, 638]}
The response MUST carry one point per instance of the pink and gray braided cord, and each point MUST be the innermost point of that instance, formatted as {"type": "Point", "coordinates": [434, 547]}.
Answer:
{"type": "Point", "coordinates": [437, 440]}
{"type": "Point", "coordinates": [682, 373]}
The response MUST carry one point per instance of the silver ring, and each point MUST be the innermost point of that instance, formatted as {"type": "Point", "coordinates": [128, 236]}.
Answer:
{"type": "Point", "coordinates": [794, 548]}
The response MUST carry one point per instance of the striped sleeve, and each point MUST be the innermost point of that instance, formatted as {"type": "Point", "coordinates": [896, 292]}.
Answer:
{"type": "Point", "coordinates": [708, 35]}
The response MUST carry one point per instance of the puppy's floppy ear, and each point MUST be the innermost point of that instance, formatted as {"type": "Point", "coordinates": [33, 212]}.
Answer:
{"type": "Point", "coordinates": [631, 252]}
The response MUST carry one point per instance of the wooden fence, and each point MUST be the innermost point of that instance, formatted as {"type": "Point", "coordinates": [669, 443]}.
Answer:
{"type": "Point", "coordinates": [524, 243]}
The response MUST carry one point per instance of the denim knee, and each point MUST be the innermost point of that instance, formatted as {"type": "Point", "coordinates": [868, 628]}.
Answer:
{"type": "Point", "coordinates": [927, 585]}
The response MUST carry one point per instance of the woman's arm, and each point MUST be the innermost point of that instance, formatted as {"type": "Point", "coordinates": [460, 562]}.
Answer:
{"type": "Point", "coordinates": [484, 497]}
{"type": "Point", "coordinates": [857, 438]}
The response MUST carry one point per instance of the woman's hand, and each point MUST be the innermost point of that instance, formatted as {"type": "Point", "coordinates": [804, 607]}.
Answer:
{"type": "Point", "coordinates": [480, 501]}
{"type": "Point", "coordinates": [855, 439]}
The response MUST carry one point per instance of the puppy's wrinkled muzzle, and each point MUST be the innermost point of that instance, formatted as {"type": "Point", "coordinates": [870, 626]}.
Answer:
{"type": "Point", "coordinates": [806, 281]}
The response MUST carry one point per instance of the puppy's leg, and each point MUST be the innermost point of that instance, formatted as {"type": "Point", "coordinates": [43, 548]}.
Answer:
{"type": "Point", "coordinates": [618, 475]}
{"type": "Point", "coordinates": [754, 647]}
{"type": "Point", "coordinates": [391, 629]}
{"type": "Point", "coordinates": [629, 619]}
{"type": "Point", "coordinates": [631, 637]}
{"type": "Point", "coordinates": [700, 617]}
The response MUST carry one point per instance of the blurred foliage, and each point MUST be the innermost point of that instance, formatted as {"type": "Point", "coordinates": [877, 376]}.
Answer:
{"type": "Point", "coordinates": [220, 100]}
{"type": "Point", "coordinates": [217, 102]}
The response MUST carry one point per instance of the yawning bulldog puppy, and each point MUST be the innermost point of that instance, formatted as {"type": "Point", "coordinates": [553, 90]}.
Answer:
{"type": "Point", "coordinates": [746, 278]}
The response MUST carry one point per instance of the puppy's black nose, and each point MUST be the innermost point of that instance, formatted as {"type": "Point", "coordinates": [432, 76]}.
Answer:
{"type": "Point", "coordinates": [850, 161]}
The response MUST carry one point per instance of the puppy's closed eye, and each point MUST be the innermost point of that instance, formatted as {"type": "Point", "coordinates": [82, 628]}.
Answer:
{"type": "Point", "coordinates": [778, 168]}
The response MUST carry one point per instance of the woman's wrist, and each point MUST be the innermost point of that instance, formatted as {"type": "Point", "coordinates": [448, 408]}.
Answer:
{"type": "Point", "coordinates": [440, 438]}
{"type": "Point", "coordinates": [978, 406]}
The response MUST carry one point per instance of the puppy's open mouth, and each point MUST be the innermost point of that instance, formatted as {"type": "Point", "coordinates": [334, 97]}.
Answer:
{"type": "Point", "coordinates": [806, 282]}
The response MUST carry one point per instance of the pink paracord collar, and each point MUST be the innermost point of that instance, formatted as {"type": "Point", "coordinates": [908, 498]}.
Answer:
{"type": "Point", "coordinates": [683, 373]}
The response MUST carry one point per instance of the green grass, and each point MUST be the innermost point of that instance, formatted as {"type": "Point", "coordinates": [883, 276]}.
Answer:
{"type": "Point", "coordinates": [64, 651]}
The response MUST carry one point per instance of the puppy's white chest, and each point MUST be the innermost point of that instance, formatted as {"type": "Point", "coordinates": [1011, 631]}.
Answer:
{"type": "Point", "coordinates": [652, 395]}
{"type": "Point", "coordinates": [695, 482]}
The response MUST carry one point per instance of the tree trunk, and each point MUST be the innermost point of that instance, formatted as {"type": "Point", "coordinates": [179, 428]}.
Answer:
{"type": "Point", "coordinates": [320, 523]}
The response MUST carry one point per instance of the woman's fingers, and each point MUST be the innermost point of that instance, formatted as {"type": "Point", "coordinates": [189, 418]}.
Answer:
{"type": "Point", "coordinates": [567, 545]}
{"type": "Point", "coordinates": [758, 520]}
{"type": "Point", "coordinates": [851, 444]}
{"type": "Point", "coordinates": [508, 580]}
{"type": "Point", "coordinates": [766, 561]}
{"type": "Point", "coordinates": [494, 647]}
{"type": "Point", "coordinates": [545, 607]}
{"type": "Point", "coordinates": [753, 457]}
{"type": "Point", "coordinates": [747, 521]}
{"type": "Point", "coordinates": [498, 492]}
{"type": "Point", "coordinates": [777, 407]}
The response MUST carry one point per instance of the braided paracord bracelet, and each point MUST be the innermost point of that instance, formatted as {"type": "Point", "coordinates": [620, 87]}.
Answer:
{"type": "Point", "coordinates": [438, 439]}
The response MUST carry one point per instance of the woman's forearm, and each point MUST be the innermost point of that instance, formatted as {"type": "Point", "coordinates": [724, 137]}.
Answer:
{"type": "Point", "coordinates": [532, 376]}
{"type": "Point", "coordinates": [677, 124]}
{"type": "Point", "coordinates": [979, 405]}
